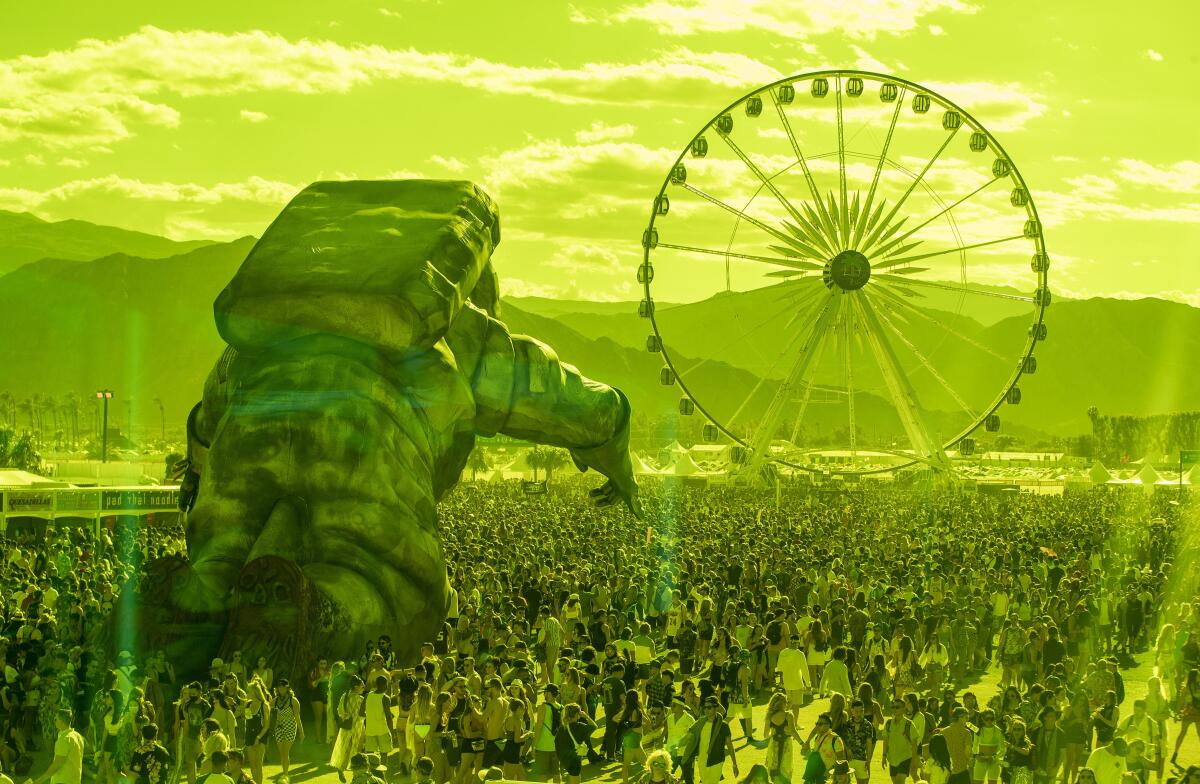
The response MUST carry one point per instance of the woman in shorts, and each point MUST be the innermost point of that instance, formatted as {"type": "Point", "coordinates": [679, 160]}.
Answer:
{"type": "Point", "coordinates": [286, 727]}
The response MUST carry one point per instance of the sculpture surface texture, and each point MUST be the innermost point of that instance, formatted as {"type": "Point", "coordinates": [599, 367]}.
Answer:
{"type": "Point", "coordinates": [363, 358]}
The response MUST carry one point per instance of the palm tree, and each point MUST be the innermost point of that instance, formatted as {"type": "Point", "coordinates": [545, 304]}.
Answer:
{"type": "Point", "coordinates": [477, 462]}
{"type": "Point", "coordinates": [26, 407]}
{"type": "Point", "coordinates": [19, 452]}
{"type": "Point", "coordinates": [8, 409]}
{"type": "Point", "coordinates": [536, 457]}
{"type": "Point", "coordinates": [71, 406]}
{"type": "Point", "coordinates": [162, 417]}
{"type": "Point", "coordinates": [554, 460]}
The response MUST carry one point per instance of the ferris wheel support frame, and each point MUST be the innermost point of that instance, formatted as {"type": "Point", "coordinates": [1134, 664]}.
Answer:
{"type": "Point", "coordinates": [762, 437]}
{"type": "Point", "coordinates": [903, 395]}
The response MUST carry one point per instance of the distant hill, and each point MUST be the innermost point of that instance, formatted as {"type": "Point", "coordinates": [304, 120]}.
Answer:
{"type": "Point", "coordinates": [25, 238]}
{"type": "Point", "coordinates": [1123, 356]}
{"type": "Point", "coordinates": [143, 327]}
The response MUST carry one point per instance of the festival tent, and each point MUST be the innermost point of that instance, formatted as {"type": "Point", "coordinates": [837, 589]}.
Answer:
{"type": "Point", "coordinates": [1099, 474]}
{"type": "Point", "coordinates": [684, 465]}
{"type": "Point", "coordinates": [643, 468]}
{"type": "Point", "coordinates": [1148, 476]}
{"type": "Point", "coordinates": [14, 478]}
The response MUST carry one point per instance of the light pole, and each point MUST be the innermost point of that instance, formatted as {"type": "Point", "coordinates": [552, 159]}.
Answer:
{"type": "Point", "coordinates": [105, 395]}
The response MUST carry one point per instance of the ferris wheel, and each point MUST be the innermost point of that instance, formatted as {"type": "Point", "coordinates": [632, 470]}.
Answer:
{"type": "Point", "coordinates": [844, 271]}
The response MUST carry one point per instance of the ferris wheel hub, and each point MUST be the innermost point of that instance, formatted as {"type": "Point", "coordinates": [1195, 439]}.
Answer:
{"type": "Point", "coordinates": [849, 271]}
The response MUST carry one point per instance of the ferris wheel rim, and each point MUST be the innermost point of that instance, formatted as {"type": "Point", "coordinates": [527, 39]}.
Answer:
{"type": "Point", "coordinates": [1014, 174]}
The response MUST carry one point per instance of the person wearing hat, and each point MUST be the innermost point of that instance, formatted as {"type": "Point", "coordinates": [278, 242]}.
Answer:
{"type": "Point", "coordinates": [125, 673]}
{"type": "Point", "coordinates": [549, 717]}
{"type": "Point", "coordinates": [360, 770]}
{"type": "Point", "coordinates": [709, 741]}
{"type": "Point", "coordinates": [490, 774]}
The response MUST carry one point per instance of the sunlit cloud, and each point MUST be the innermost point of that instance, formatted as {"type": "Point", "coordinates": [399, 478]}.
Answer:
{"type": "Point", "coordinates": [1179, 177]}
{"type": "Point", "coordinates": [791, 20]}
{"type": "Point", "coordinates": [99, 91]}
{"type": "Point", "coordinates": [252, 116]}
{"type": "Point", "coordinates": [1153, 55]}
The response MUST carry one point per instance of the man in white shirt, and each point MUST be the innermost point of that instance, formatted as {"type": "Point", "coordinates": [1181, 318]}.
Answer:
{"type": "Point", "coordinates": [1108, 762]}
{"type": "Point", "coordinates": [679, 721]}
{"type": "Point", "coordinates": [67, 765]}
{"type": "Point", "coordinates": [793, 671]}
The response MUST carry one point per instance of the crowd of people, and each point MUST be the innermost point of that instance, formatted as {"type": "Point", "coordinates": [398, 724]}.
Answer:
{"type": "Point", "coordinates": [582, 642]}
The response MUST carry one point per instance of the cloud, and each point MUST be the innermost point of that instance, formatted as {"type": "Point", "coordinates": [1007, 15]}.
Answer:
{"type": "Point", "coordinates": [601, 131]}
{"type": "Point", "coordinates": [1179, 177]}
{"type": "Point", "coordinates": [1153, 55]}
{"type": "Point", "coordinates": [252, 116]}
{"type": "Point", "coordinates": [390, 13]}
{"type": "Point", "coordinates": [99, 91]}
{"type": "Point", "coordinates": [452, 165]}
{"type": "Point", "coordinates": [180, 210]}
{"type": "Point", "coordinates": [804, 20]}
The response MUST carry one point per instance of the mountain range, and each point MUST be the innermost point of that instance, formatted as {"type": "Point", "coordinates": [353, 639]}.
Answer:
{"type": "Point", "coordinates": [25, 238]}
{"type": "Point", "coordinates": [137, 317]}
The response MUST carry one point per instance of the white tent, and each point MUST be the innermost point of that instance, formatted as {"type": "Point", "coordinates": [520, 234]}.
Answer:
{"type": "Point", "coordinates": [1148, 475]}
{"type": "Point", "coordinates": [643, 468]}
{"type": "Point", "coordinates": [1099, 474]}
{"type": "Point", "coordinates": [684, 465]}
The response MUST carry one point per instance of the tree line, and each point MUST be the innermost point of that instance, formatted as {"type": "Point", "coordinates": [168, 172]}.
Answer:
{"type": "Point", "coordinates": [1122, 438]}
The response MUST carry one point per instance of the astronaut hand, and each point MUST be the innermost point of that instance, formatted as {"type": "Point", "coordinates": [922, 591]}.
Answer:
{"type": "Point", "coordinates": [612, 459]}
{"type": "Point", "coordinates": [610, 492]}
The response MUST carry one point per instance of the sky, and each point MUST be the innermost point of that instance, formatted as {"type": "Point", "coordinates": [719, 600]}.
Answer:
{"type": "Point", "coordinates": [201, 120]}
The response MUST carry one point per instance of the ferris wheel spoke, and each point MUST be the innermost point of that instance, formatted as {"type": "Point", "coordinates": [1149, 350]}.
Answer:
{"type": "Point", "coordinates": [885, 250]}
{"type": "Point", "coordinates": [911, 187]}
{"type": "Point", "coordinates": [903, 396]}
{"type": "Point", "coordinates": [791, 264]}
{"type": "Point", "coordinates": [861, 225]}
{"type": "Point", "coordinates": [829, 308]}
{"type": "Point", "coordinates": [734, 210]}
{"type": "Point", "coordinates": [897, 260]}
{"type": "Point", "coordinates": [808, 388]}
{"type": "Point", "coordinates": [792, 307]}
{"type": "Point", "coordinates": [844, 215]}
{"type": "Point", "coordinates": [824, 219]}
{"type": "Point", "coordinates": [926, 363]}
{"type": "Point", "coordinates": [783, 200]}
{"type": "Point", "coordinates": [933, 284]}
{"type": "Point", "coordinates": [791, 343]}
{"type": "Point", "coordinates": [805, 231]}
{"type": "Point", "coordinates": [848, 317]}
{"type": "Point", "coordinates": [912, 309]}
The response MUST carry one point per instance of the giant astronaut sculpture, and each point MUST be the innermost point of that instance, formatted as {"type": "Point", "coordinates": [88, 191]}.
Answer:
{"type": "Point", "coordinates": [363, 359]}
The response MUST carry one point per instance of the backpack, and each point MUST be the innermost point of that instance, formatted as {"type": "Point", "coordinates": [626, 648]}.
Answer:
{"type": "Point", "coordinates": [731, 675]}
{"type": "Point", "coordinates": [555, 716]}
